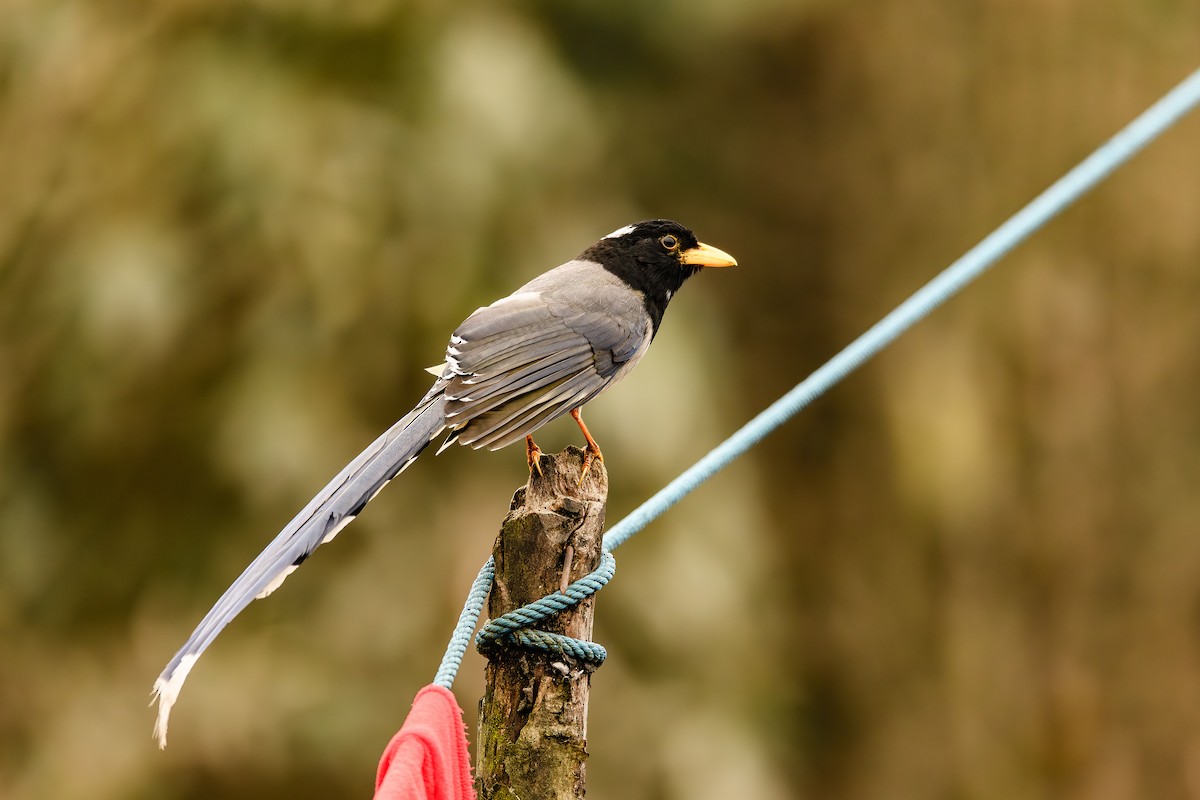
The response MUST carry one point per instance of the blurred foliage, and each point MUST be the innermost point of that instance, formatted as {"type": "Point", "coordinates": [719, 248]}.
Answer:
{"type": "Point", "coordinates": [232, 234]}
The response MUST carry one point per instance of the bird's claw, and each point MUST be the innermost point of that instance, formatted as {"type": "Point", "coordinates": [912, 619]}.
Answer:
{"type": "Point", "coordinates": [589, 455]}
{"type": "Point", "coordinates": [533, 454]}
{"type": "Point", "coordinates": [593, 450]}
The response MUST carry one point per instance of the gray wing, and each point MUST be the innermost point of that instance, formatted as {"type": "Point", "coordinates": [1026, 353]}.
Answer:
{"type": "Point", "coordinates": [531, 357]}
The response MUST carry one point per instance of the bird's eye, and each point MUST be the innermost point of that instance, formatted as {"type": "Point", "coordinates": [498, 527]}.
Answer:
{"type": "Point", "coordinates": [669, 242]}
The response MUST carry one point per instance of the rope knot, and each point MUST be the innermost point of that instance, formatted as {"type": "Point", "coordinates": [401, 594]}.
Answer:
{"type": "Point", "coordinates": [515, 629]}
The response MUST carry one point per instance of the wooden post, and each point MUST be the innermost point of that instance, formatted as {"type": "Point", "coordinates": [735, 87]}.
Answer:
{"type": "Point", "coordinates": [533, 715]}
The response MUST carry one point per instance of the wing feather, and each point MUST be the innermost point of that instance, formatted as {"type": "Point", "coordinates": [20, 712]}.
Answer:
{"type": "Point", "coordinates": [534, 344]}
{"type": "Point", "coordinates": [485, 393]}
{"type": "Point", "coordinates": [521, 362]}
{"type": "Point", "coordinates": [533, 416]}
{"type": "Point", "coordinates": [525, 413]}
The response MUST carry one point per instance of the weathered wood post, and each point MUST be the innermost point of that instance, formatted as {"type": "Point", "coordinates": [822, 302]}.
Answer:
{"type": "Point", "coordinates": [533, 716]}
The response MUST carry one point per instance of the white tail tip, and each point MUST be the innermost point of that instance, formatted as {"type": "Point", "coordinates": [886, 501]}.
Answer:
{"type": "Point", "coordinates": [166, 692]}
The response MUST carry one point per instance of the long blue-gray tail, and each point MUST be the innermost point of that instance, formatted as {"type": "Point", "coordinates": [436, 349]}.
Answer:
{"type": "Point", "coordinates": [318, 523]}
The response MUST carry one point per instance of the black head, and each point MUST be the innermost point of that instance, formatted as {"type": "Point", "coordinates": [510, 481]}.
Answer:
{"type": "Point", "coordinates": [655, 257]}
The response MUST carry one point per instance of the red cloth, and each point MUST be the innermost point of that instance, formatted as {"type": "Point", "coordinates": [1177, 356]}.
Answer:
{"type": "Point", "coordinates": [427, 758]}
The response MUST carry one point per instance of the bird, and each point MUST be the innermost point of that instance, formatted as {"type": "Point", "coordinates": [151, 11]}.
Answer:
{"type": "Point", "coordinates": [543, 351]}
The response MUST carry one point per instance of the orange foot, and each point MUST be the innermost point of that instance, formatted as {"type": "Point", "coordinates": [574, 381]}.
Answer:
{"type": "Point", "coordinates": [593, 450]}
{"type": "Point", "coordinates": [533, 454]}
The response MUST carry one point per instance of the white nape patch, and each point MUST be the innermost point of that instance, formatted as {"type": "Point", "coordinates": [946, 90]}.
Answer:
{"type": "Point", "coordinates": [166, 692]}
{"type": "Point", "coordinates": [281, 577]}
{"type": "Point", "coordinates": [670, 294]}
{"type": "Point", "coordinates": [619, 232]}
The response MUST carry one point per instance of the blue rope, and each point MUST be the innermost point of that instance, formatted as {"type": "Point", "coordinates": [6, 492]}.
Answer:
{"type": "Point", "coordinates": [467, 621]}
{"type": "Point", "coordinates": [1066, 190]}
{"type": "Point", "coordinates": [514, 627]}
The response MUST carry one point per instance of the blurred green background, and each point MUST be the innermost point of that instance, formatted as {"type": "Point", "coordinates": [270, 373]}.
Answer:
{"type": "Point", "coordinates": [232, 234]}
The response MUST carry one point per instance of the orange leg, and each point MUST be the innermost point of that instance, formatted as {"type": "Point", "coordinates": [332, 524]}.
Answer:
{"type": "Point", "coordinates": [593, 449]}
{"type": "Point", "coordinates": [533, 454]}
